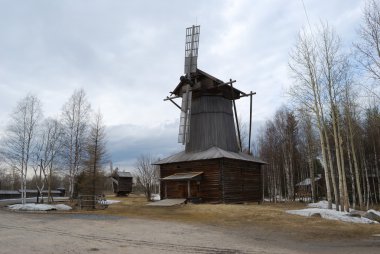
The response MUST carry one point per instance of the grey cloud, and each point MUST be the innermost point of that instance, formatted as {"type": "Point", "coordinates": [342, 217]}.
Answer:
{"type": "Point", "coordinates": [128, 55]}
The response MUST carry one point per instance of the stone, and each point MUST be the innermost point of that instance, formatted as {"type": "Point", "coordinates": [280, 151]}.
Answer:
{"type": "Point", "coordinates": [372, 216]}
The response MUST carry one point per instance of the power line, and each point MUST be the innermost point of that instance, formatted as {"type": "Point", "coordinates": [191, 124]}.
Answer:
{"type": "Point", "coordinates": [307, 16]}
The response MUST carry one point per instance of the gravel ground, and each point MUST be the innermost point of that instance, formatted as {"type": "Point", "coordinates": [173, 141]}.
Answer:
{"type": "Point", "coordinates": [87, 233]}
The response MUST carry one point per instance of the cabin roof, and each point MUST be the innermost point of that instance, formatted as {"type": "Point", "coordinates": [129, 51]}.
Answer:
{"type": "Point", "coordinates": [307, 181]}
{"type": "Point", "coordinates": [199, 74]}
{"type": "Point", "coordinates": [183, 176]}
{"type": "Point", "coordinates": [211, 153]}
{"type": "Point", "coordinates": [124, 174]}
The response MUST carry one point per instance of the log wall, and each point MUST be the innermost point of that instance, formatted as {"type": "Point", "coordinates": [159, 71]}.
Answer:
{"type": "Point", "coordinates": [242, 181]}
{"type": "Point", "coordinates": [209, 188]}
{"type": "Point", "coordinates": [223, 180]}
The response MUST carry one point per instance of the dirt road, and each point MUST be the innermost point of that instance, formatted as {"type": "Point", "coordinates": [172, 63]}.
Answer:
{"type": "Point", "coordinates": [78, 233]}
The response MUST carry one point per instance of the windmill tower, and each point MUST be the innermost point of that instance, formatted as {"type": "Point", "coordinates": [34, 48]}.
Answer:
{"type": "Point", "coordinates": [211, 137]}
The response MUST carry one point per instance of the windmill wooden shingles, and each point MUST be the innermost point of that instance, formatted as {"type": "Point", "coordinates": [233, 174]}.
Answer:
{"type": "Point", "coordinates": [212, 167]}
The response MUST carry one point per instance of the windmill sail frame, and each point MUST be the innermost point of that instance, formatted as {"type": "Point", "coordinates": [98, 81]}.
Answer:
{"type": "Point", "coordinates": [191, 59]}
{"type": "Point", "coordinates": [191, 49]}
{"type": "Point", "coordinates": [184, 125]}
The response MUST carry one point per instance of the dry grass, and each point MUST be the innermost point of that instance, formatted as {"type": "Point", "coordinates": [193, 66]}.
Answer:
{"type": "Point", "coordinates": [271, 217]}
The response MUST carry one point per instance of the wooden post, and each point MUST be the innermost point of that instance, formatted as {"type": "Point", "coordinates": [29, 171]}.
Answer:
{"type": "Point", "coordinates": [236, 119]}
{"type": "Point", "coordinates": [250, 123]}
{"type": "Point", "coordinates": [188, 188]}
{"type": "Point", "coordinates": [166, 190]}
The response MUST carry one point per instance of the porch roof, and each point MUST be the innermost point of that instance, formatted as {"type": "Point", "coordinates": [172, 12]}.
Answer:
{"type": "Point", "coordinates": [182, 176]}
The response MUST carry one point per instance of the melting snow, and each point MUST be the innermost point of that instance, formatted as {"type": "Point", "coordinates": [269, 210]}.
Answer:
{"type": "Point", "coordinates": [321, 208]}
{"type": "Point", "coordinates": [155, 197]}
{"type": "Point", "coordinates": [323, 205]}
{"type": "Point", "coordinates": [39, 207]}
{"type": "Point", "coordinates": [108, 202]}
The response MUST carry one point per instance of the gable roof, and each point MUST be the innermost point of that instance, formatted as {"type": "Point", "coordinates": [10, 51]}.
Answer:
{"type": "Point", "coordinates": [307, 181]}
{"type": "Point", "coordinates": [124, 174]}
{"type": "Point", "coordinates": [211, 153]}
{"type": "Point", "coordinates": [218, 84]}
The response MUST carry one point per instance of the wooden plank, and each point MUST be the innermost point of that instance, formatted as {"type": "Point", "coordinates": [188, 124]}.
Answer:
{"type": "Point", "coordinates": [168, 202]}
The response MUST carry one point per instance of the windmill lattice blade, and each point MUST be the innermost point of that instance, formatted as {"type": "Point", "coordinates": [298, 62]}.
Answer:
{"type": "Point", "coordinates": [191, 49]}
{"type": "Point", "coordinates": [184, 122]}
{"type": "Point", "coordinates": [187, 124]}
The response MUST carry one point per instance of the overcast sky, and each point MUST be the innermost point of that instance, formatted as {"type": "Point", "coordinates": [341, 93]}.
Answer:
{"type": "Point", "coordinates": [128, 56]}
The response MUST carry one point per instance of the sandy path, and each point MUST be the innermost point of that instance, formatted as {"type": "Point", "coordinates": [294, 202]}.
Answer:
{"type": "Point", "coordinates": [75, 233]}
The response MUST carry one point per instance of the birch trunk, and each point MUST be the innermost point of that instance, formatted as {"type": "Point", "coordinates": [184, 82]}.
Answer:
{"type": "Point", "coordinates": [356, 165]}
{"type": "Point", "coordinates": [351, 174]}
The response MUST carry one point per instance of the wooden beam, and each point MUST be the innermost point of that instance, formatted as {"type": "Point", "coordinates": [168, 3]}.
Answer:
{"type": "Point", "coordinates": [171, 100]}
{"type": "Point", "coordinates": [247, 94]}
{"type": "Point", "coordinates": [250, 123]}
{"type": "Point", "coordinates": [227, 83]}
{"type": "Point", "coordinates": [236, 119]}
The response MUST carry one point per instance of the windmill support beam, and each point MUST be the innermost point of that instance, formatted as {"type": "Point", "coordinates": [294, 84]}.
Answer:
{"type": "Point", "coordinates": [235, 113]}
{"type": "Point", "coordinates": [247, 94]}
{"type": "Point", "coordinates": [171, 98]}
{"type": "Point", "coordinates": [227, 83]}
{"type": "Point", "coordinates": [175, 104]}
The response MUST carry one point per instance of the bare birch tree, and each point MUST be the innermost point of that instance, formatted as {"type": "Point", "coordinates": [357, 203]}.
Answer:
{"type": "Point", "coordinates": [146, 174]}
{"type": "Point", "coordinates": [334, 70]}
{"type": "Point", "coordinates": [307, 93]}
{"type": "Point", "coordinates": [49, 147]}
{"type": "Point", "coordinates": [20, 137]}
{"type": "Point", "coordinates": [75, 116]}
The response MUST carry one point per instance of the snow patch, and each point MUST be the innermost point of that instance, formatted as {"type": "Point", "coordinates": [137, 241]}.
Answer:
{"type": "Point", "coordinates": [323, 205]}
{"type": "Point", "coordinates": [108, 202]}
{"type": "Point", "coordinates": [39, 207]}
{"type": "Point", "coordinates": [321, 208]}
{"type": "Point", "coordinates": [155, 197]}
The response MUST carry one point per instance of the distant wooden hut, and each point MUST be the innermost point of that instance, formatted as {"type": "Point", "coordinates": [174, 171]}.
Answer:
{"type": "Point", "coordinates": [303, 188]}
{"type": "Point", "coordinates": [122, 183]}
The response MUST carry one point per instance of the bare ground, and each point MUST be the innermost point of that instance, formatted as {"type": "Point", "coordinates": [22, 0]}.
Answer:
{"type": "Point", "coordinates": [267, 216]}
{"type": "Point", "coordinates": [131, 227]}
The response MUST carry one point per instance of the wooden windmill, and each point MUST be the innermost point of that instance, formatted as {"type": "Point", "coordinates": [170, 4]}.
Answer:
{"type": "Point", "coordinates": [208, 128]}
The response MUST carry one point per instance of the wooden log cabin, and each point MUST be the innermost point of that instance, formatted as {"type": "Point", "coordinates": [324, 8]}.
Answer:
{"type": "Point", "coordinates": [212, 167]}
{"type": "Point", "coordinates": [122, 183]}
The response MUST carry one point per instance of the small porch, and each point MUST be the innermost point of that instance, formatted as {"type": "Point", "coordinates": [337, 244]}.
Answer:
{"type": "Point", "coordinates": [183, 185]}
